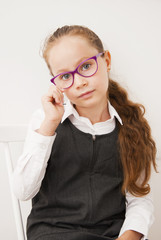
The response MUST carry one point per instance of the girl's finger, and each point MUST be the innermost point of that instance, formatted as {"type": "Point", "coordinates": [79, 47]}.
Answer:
{"type": "Point", "coordinates": [58, 97]}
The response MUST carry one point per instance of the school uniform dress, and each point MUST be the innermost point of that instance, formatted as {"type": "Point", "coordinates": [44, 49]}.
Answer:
{"type": "Point", "coordinates": [80, 196]}
{"type": "Point", "coordinates": [76, 193]}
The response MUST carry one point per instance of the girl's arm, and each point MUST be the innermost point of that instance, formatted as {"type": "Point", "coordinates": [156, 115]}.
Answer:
{"type": "Point", "coordinates": [139, 217]}
{"type": "Point", "coordinates": [130, 235]}
{"type": "Point", "coordinates": [31, 166]}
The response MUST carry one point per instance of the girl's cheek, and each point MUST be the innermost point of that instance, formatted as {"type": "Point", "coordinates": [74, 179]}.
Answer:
{"type": "Point", "coordinates": [68, 94]}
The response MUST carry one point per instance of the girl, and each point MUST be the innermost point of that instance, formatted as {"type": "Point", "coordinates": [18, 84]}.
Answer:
{"type": "Point", "coordinates": [86, 164]}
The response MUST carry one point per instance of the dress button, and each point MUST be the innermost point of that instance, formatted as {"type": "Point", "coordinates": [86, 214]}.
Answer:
{"type": "Point", "coordinates": [94, 137]}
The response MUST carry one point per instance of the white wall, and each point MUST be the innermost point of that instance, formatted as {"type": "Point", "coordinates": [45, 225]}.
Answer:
{"type": "Point", "coordinates": [130, 29]}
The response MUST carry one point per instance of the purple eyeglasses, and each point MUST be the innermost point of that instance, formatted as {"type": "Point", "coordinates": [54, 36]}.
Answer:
{"type": "Point", "coordinates": [87, 68]}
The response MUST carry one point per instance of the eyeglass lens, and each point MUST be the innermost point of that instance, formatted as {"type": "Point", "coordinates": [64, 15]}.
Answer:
{"type": "Point", "coordinates": [86, 69]}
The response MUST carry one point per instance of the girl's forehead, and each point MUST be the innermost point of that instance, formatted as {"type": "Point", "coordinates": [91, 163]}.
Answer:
{"type": "Point", "coordinates": [68, 51]}
{"type": "Point", "coordinates": [72, 41]}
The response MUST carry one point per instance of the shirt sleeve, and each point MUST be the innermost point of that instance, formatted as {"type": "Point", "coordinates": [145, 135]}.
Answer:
{"type": "Point", "coordinates": [139, 214]}
{"type": "Point", "coordinates": [31, 165]}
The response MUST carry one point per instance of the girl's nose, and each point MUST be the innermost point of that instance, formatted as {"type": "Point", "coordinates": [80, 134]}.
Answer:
{"type": "Point", "coordinates": [80, 81]}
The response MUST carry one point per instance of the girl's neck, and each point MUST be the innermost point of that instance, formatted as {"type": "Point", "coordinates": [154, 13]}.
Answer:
{"type": "Point", "coordinates": [95, 114]}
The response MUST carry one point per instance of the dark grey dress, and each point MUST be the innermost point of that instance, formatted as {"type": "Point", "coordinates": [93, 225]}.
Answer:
{"type": "Point", "coordinates": [80, 197]}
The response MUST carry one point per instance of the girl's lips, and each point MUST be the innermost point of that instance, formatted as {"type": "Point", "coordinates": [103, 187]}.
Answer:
{"type": "Point", "coordinates": [86, 94]}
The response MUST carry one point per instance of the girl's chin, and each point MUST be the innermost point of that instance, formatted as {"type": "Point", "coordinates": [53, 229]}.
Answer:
{"type": "Point", "coordinates": [89, 105]}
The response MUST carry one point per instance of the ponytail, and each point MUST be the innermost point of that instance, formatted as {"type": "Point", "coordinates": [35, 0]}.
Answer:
{"type": "Point", "coordinates": [137, 148]}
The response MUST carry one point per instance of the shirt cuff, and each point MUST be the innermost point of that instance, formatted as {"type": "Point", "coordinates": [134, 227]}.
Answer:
{"type": "Point", "coordinates": [134, 225]}
{"type": "Point", "coordinates": [137, 222]}
{"type": "Point", "coordinates": [139, 214]}
{"type": "Point", "coordinates": [37, 144]}
{"type": "Point", "coordinates": [39, 138]}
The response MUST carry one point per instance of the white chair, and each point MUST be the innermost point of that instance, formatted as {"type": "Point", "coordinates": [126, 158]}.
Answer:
{"type": "Point", "coordinates": [12, 134]}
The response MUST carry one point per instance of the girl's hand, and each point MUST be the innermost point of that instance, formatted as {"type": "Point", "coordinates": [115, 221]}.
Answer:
{"type": "Point", "coordinates": [130, 235]}
{"type": "Point", "coordinates": [52, 103]}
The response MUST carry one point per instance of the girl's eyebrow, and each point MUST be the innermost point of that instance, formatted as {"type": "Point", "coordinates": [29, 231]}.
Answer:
{"type": "Point", "coordinates": [76, 65]}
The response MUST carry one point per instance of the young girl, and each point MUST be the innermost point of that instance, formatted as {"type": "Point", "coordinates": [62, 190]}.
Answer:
{"type": "Point", "coordinates": [87, 162]}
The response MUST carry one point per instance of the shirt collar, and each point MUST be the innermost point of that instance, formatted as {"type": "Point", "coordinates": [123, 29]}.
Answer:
{"type": "Point", "coordinates": [70, 110]}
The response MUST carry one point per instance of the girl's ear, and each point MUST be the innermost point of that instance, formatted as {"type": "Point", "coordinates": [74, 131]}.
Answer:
{"type": "Point", "coordinates": [107, 57]}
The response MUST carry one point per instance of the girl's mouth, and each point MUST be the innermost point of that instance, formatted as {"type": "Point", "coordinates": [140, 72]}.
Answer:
{"type": "Point", "coordinates": [86, 94]}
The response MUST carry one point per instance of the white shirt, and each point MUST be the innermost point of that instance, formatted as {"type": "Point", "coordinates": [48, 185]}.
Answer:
{"type": "Point", "coordinates": [31, 166]}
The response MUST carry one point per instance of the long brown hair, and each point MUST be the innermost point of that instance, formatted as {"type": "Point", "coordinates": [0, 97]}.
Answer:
{"type": "Point", "coordinates": [137, 148]}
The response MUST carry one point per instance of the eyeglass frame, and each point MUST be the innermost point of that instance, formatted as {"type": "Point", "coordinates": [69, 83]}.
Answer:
{"type": "Point", "coordinates": [76, 70]}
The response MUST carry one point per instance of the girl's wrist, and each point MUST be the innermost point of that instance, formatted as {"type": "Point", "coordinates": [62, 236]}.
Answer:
{"type": "Point", "coordinates": [131, 235]}
{"type": "Point", "coordinates": [48, 127]}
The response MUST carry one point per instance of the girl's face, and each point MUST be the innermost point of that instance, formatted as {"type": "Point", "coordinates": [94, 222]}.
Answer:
{"type": "Point", "coordinates": [65, 55]}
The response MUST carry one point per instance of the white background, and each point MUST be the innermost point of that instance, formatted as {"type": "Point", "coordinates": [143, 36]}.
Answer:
{"type": "Point", "coordinates": [130, 30]}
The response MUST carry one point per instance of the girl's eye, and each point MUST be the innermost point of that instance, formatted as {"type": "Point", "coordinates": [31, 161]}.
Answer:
{"type": "Point", "coordinates": [85, 66]}
{"type": "Point", "coordinates": [66, 76]}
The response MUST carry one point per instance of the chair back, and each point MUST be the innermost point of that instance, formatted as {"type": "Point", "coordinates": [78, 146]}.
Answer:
{"type": "Point", "coordinates": [12, 138]}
